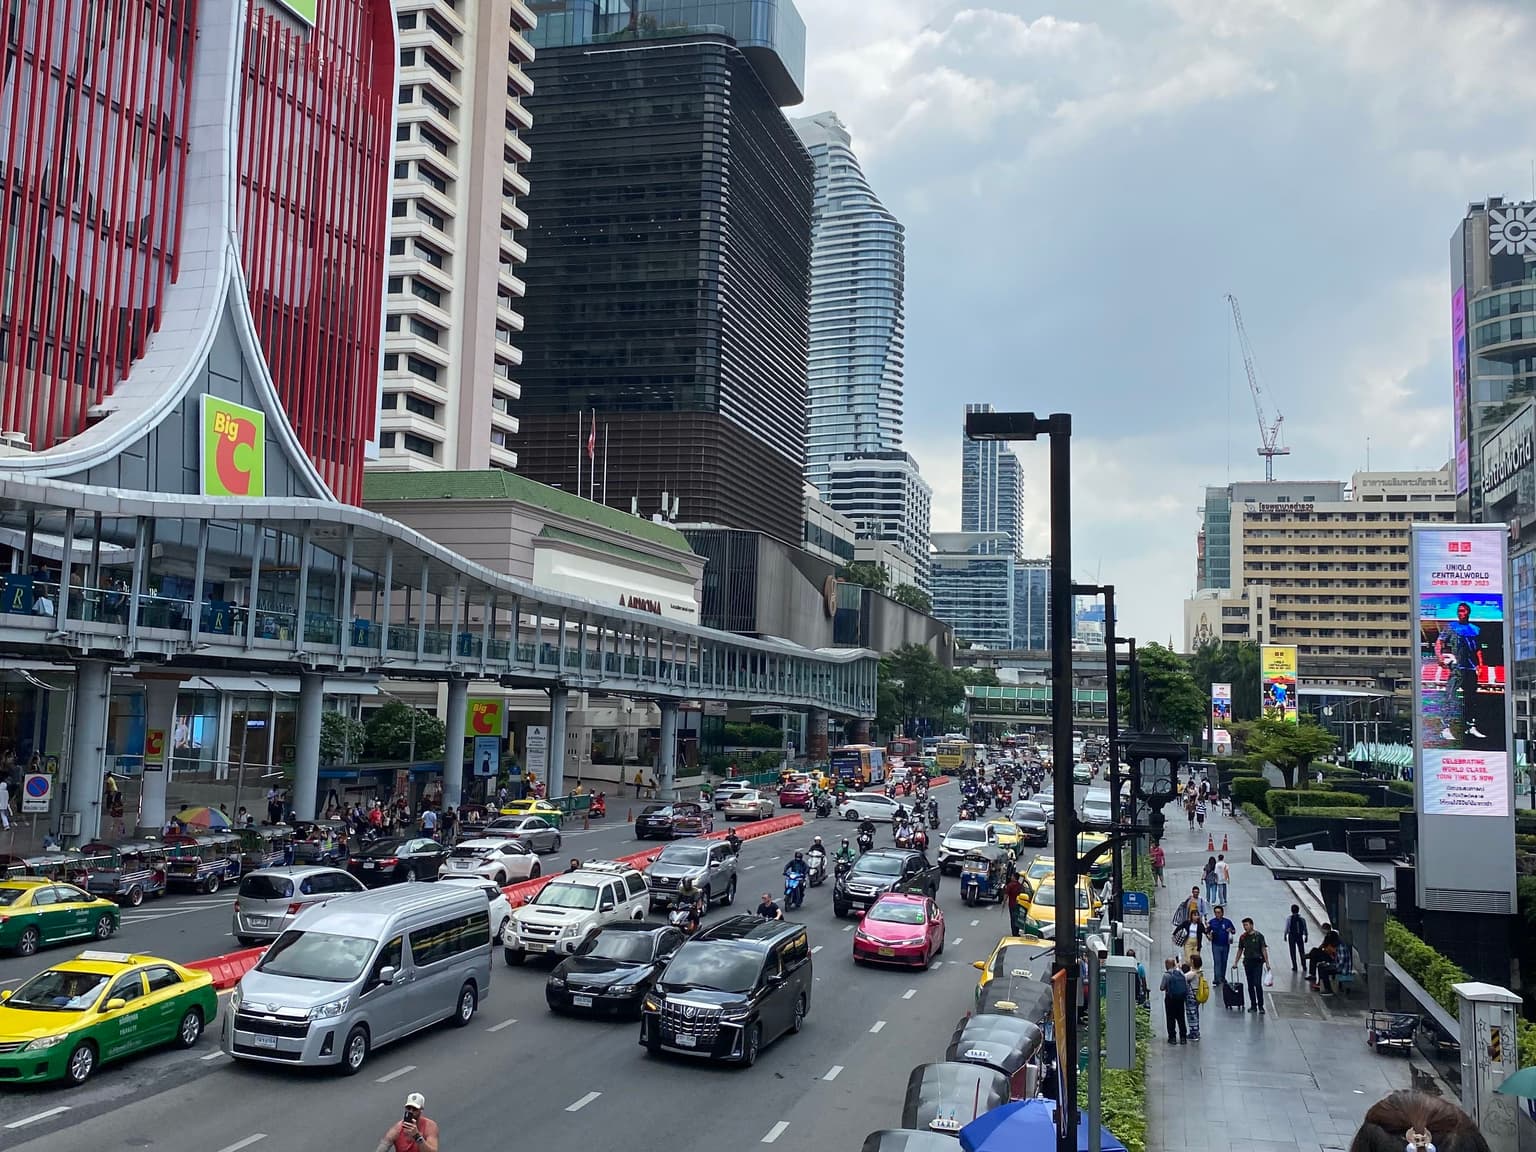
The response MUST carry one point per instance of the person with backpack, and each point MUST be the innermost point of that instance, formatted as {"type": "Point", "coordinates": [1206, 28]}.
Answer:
{"type": "Point", "coordinates": [1175, 990]}
{"type": "Point", "coordinates": [1199, 993]}
{"type": "Point", "coordinates": [1296, 935]}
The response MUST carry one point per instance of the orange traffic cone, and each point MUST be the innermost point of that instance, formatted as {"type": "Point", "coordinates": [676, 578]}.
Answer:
{"type": "Point", "coordinates": [1210, 842]}
{"type": "Point", "coordinates": [1223, 841]}
{"type": "Point", "coordinates": [629, 817]}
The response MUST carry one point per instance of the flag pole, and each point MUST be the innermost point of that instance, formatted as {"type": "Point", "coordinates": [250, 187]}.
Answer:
{"type": "Point", "coordinates": [605, 463]}
{"type": "Point", "coordinates": [578, 452]}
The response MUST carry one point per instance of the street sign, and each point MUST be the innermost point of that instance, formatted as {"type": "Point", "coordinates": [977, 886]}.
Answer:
{"type": "Point", "coordinates": [1135, 904]}
{"type": "Point", "coordinates": [487, 755]}
{"type": "Point", "coordinates": [536, 759]}
{"type": "Point", "coordinates": [36, 792]}
{"type": "Point", "coordinates": [154, 748]}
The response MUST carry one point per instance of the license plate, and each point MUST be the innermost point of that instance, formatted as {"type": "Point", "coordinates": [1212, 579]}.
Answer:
{"type": "Point", "coordinates": [257, 921]}
{"type": "Point", "coordinates": [260, 1041]}
{"type": "Point", "coordinates": [537, 947]}
{"type": "Point", "coordinates": [887, 952]}
{"type": "Point", "coordinates": [687, 1041]}
{"type": "Point", "coordinates": [369, 864]}
{"type": "Point", "coordinates": [582, 1001]}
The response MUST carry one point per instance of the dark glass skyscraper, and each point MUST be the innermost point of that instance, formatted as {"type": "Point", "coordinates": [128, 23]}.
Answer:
{"type": "Point", "coordinates": [669, 247]}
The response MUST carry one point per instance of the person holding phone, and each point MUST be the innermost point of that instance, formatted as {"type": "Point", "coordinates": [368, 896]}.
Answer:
{"type": "Point", "coordinates": [415, 1132]}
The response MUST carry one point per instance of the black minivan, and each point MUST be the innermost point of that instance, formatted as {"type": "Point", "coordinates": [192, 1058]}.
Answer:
{"type": "Point", "coordinates": [735, 987]}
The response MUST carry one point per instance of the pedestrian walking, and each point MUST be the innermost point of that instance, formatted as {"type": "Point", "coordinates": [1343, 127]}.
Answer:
{"type": "Point", "coordinates": [1189, 809]}
{"type": "Point", "coordinates": [1194, 938]}
{"type": "Point", "coordinates": [1199, 993]}
{"type": "Point", "coordinates": [1201, 809]}
{"type": "Point", "coordinates": [1253, 951]}
{"type": "Point", "coordinates": [429, 823]}
{"type": "Point", "coordinates": [1159, 859]}
{"type": "Point", "coordinates": [1011, 892]}
{"type": "Point", "coordinates": [1175, 990]}
{"type": "Point", "coordinates": [1223, 878]}
{"type": "Point", "coordinates": [1221, 931]}
{"type": "Point", "coordinates": [1208, 878]}
{"type": "Point", "coordinates": [1296, 935]}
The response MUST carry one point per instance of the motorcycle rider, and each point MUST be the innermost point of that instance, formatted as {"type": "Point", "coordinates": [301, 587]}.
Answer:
{"type": "Point", "coordinates": [866, 835]}
{"type": "Point", "coordinates": [691, 899]}
{"type": "Point", "coordinates": [933, 813]}
{"type": "Point", "coordinates": [845, 854]}
{"type": "Point", "coordinates": [733, 842]}
{"type": "Point", "coordinates": [797, 867]}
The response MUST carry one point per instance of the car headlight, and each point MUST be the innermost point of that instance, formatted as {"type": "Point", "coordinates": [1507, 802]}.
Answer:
{"type": "Point", "coordinates": [556, 980]}
{"type": "Point", "coordinates": [651, 1003]}
{"type": "Point", "coordinates": [235, 999]}
{"type": "Point", "coordinates": [327, 1011]}
{"type": "Point", "coordinates": [736, 1017]}
{"type": "Point", "coordinates": [43, 1042]}
{"type": "Point", "coordinates": [569, 930]}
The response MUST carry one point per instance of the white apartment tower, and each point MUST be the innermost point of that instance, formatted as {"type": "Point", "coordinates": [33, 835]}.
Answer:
{"type": "Point", "coordinates": [450, 354]}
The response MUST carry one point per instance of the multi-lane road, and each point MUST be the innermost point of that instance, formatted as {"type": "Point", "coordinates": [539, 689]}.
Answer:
{"type": "Point", "coordinates": [520, 1076]}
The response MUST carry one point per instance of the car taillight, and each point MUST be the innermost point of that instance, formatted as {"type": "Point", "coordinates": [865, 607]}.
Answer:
{"type": "Point", "coordinates": [294, 908]}
{"type": "Point", "coordinates": [390, 862]}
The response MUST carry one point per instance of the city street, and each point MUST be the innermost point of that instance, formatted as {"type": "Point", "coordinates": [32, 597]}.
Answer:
{"type": "Point", "coordinates": [574, 1082]}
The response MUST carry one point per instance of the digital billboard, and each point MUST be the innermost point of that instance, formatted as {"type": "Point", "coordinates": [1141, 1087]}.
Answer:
{"type": "Point", "coordinates": [1277, 682]}
{"type": "Point", "coordinates": [1460, 725]}
{"type": "Point", "coordinates": [1221, 704]}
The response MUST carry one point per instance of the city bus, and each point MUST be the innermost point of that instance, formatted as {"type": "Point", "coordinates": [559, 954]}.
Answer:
{"type": "Point", "coordinates": [858, 765]}
{"type": "Point", "coordinates": [955, 755]}
{"type": "Point", "coordinates": [903, 748]}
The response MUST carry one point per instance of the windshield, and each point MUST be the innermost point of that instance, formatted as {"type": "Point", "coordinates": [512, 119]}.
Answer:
{"type": "Point", "coordinates": [56, 991]}
{"type": "Point", "coordinates": [1046, 897]}
{"type": "Point", "coordinates": [566, 896]}
{"type": "Point", "coordinates": [317, 956]}
{"type": "Point", "coordinates": [714, 966]}
{"type": "Point", "coordinates": [9, 896]}
{"type": "Point", "coordinates": [958, 832]}
{"type": "Point", "coordinates": [630, 947]}
{"type": "Point", "coordinates": [879, 865]}
{"type": "Point", "coordinates": [656, 809]}
{"type": "Point", "coordinates": [259, 887]}
{"type": "Point", "coordinates": [896, 913]}
{"type": "Point", "coordinates": [690, 857]}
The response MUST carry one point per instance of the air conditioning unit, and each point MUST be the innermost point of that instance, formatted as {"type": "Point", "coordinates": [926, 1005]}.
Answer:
{"type": "Point", "coordinates": [69, 823]}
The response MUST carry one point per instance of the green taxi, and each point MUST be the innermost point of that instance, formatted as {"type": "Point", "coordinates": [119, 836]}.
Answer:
{"type": "Point", "coordinates": [35, 911]}
{"type": "Point", "coordinates": [64, 1023]}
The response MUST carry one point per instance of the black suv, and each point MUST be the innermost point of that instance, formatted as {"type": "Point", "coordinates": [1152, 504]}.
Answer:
{"type": "Point", "coordinates": [736, 986]}
{"type": "Point", "coordinates": [884, 870]}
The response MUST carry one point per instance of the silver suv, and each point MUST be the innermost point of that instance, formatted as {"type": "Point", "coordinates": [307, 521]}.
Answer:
{"type": "Point", "coordinates": [270, 898]}
{"type": "Point", "coordinates": [708, 863]}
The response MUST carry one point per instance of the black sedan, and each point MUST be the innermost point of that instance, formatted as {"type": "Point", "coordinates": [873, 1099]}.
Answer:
{"type": "Point", "coordinates": [662, 820]}
{"type": "Point", "coordinates": [614, 969]}
{"type": "Point", "coordinates": [400, 859]}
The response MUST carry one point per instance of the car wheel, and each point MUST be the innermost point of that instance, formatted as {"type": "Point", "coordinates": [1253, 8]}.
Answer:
{"type": "Point", "coordinates": [467, 1004]}
{"type": "Point", "coordinates": [839, 910]}
{"type": "Point", "coordinates": [190, 1028]}
{"type": "Point", "coordinates": [212, 885]}
{"type": "Point", "coordinates": [730, 892]}
{"type": "Point", "coordinates": [135, 896]}
{"type": "Point", "coordinates": [104, 926]}
{"type": "Point", "coordinates": [799, 1020]}
{"type": "Point", "coordinates": [555, 847]}
{"type": "Point", "coordinates": [28, 943]}
{"type": "Point", "coordinates": [514, 957]}
{"type": "Point", "coordinates": [709, 898]}
{"type": "Point", "coordinates": [754, 1044]}
{"type": "Point", "coordinates": [354, 1053]}
{"type": "Point", "coordinates": [850, 815]}
{"type": "Point", "coordinates": [410, 875]}
{"type": "Point", "coordinates": [501, 929]}
{"type": "Point", "coordinates": [533, 873]}
{"type": "Point", "coordinates": [81, 1063]}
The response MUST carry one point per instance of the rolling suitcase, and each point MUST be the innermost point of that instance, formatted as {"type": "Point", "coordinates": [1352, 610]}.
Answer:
{"type": "Point", "coordinates": [1232, 996]}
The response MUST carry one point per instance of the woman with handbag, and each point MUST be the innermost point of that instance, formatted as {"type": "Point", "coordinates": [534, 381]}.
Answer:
{"type": "Point", "coordinates": [1194, 937]}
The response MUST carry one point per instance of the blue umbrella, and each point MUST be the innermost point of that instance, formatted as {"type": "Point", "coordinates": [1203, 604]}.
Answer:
{"type": "Point", "coordinates": [1026, 1126]}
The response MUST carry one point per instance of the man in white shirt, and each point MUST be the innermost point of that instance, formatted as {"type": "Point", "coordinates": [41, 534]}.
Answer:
{"type": "Point", "coordinates": [1223, 878]}
{"type": "Point", "coordinates": [429, 823]}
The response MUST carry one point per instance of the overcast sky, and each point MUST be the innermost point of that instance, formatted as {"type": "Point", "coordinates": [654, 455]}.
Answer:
{"type": "Point", "coordinates": [1083, 181]}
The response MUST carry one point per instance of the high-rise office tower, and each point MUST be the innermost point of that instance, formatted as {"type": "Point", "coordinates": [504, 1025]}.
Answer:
{"type": "Point", "coordinates": [669, 250]}
{"type": "Point", "coordinates": [450, 353]}
{"type": "Point", "coordinates": [855, 363]}
{"type": "Point", "coordinates": [886, 498]}
{"type": "Point", "coordinates": [992, 492]}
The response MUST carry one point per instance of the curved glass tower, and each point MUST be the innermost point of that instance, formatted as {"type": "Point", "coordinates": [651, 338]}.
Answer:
{"type": "Point", "coordinates": [855, 364]}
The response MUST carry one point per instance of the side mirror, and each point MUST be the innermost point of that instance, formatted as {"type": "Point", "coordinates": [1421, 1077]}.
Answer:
{"type": "Point", "coordinates": [606, 906]}
{"type": "Point", "coordinates": [114, 1004]}
{"type": "Point", "coordinates": [979, 965]}
{"type": "Point", "coordinates": [387, 974]}
{"type": "Point", "coordinates": [5, 995]}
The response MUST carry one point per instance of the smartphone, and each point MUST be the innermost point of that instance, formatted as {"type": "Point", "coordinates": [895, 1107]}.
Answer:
{"type": "Point", "coordinates": [407, 1118]}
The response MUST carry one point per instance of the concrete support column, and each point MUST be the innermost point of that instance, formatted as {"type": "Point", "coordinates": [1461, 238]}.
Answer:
{"type": "Point", "coordinates": [306, 772]}
{"type": "Point", "coordinates": [159, 717]}
{"type": "Point", "coordinates": [88, 746]}
{"type": "Point", "coordinates": [453, 748]}
{"type": "Point", "coordinates": [666, 771]}
{"type": "Point", "coordinates": [555, 781]}
{"type": "Point", "coordinates": [816, 735]}
{"type": "Point", "coordinates": [861, 732]}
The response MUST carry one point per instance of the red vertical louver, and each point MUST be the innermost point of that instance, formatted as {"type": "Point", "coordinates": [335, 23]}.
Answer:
{"type": "Point", "coordinates": [94, 103]}
{"type": "Point", "coordinates": [315, 117]}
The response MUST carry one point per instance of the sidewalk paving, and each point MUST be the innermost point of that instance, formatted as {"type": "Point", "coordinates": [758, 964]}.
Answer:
{"type": "Point", "coordinates": [1297, 1079]}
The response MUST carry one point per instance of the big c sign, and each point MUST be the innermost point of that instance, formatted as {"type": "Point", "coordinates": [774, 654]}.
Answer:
{"type": "Point", "coordinates": [234, 449]}
{"type": "Point", "coordinates": [484, 715]}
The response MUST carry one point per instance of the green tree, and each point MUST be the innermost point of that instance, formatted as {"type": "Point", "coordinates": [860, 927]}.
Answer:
{"type": "Point", "coordinates": [1172, 703]}
{"type": "Point", "coordinates": [913, 597]}
{"type": "Point", "coordinates": [342, 738]}
{"type": "Point", "coordinates": [1289, 747]}
{"type": "Point", "coordinates": [869, 575]}
{"type": "Point", "coordinates": [915, 686]}
{"type": "Point", "coordinates": [1235, 663]}
{"type": "Point", "coordinates": [387, 733]}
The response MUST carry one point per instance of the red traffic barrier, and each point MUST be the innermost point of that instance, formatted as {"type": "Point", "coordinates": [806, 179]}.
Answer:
{"type": "Point", "coordinates": [226, 970]}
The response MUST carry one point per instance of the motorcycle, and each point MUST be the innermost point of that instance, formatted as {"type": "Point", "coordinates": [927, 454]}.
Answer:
{"type": "Point", "coordinates": [903, 836]}
{"type": "Point", "coordinates": [842, 869]}
{"type": "Point", "coordinates": [866, 841]}
{"type": "Point", "coordinates": [920, 839]}
{"type": "Point", "coordinates": [818, 863]}
{"type": "Point", "coordinates": [794, 890]}
{"type": "Point", "coordinates": [823, 806]}
{"type": "Point", "coordinates": [598, 807]}
{"type": "Point", "coordinates": [933, 814]}
{"type": "Point", "coordinates": [684, 915]}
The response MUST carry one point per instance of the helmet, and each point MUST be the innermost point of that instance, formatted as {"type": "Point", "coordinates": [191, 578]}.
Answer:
{"type": "Point", "coordinates": [817, 840]}
{"type": "Point", "coordinates": [799, 855]}
{"type": "Point", "coordinates": [845, 841]}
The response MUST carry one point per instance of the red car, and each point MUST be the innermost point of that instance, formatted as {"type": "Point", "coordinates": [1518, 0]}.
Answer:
{"type": "Point", "coordinates": [796, 794]}
{"type": "Point", "coordinates": [900, 929]}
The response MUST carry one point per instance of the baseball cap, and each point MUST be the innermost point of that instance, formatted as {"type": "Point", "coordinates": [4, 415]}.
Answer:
{"type": "Point", "coordinates": [415, 1100]}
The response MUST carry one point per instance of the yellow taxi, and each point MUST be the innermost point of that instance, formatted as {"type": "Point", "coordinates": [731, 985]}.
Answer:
{"type": "Point", "coordinates": [1009, 835]}
{"type": "Point", "coordinates": [1040, 868]}
{"type": "Point", "coordinates": [1099, 870]}
{"type": "Point", "coordinates": [1014, 959]}
{"type": "Point", "coordinates": [1040, 911]}
{"type": "Point", "coordinates": [550, 812]}
{"type": "Point", "coordinates": [64, 1023]}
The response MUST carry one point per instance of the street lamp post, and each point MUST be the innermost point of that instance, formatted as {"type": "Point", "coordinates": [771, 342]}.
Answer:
{"type": "Point", "coordinates": [1058, 426]}
{"type": "Point", "coordinates": [1112, 724]}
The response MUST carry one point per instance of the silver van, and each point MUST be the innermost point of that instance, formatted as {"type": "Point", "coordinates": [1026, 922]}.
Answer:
{"type": "Point", "coordinates": [270, 899]}
{"type": "Point", "coordinates": [362, 971]}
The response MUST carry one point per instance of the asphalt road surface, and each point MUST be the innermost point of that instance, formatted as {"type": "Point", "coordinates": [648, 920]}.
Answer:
{"type": "Point", "coordinates": [520, 1076]}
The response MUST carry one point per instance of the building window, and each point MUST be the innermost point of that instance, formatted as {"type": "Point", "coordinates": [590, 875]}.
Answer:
{"type": "Point", "coordinates": [387, 440]}
{"type": "Point", "coordinates": [420, 407]}
{"type": "Point", "coordinates": [426, 331]}
{"type": "Point", "coordinates": [423, 368]}
{"type": "Point", "coordinates": [407, 94]}
{"type": "Point", "coordinates": [398, 209]}
{"type": "Point", "coordinates": [397, 246]}
{"type": "Point", "coordinates": [419, 445]}
{"type": "Point", "coordinates": [430, 254]}
{"type": "Point", "coordinates": [426, 292]}
{"type": "Point", "coordinates": [396, 285]}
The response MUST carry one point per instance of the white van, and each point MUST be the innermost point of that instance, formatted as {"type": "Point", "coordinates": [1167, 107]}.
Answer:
{"type": "Point", "coordinates": [1096, 804]}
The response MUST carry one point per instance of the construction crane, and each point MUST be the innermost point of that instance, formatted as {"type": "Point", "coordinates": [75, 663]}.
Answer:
{"type": "Point", "coordinates": [1269, 434]}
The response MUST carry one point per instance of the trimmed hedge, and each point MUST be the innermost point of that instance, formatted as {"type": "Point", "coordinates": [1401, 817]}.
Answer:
{"type": "Point", "coordinates": [1401, 787]}
{"type": "Point", "coordinates": [1437, 975]}
{"type": "Point", "coordinates": [1345, 812]}
{"type": "Point", "coordinates": [1257, 816]}
{"type": "Point", "coordinates": [1249, 791]}
{"type": "Point", "coordinates": [1279, 801]}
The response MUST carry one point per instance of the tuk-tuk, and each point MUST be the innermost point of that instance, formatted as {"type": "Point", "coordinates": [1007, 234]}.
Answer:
{"type": "Point", "coordinates": [12, 867]}
{"type": "Point", "coordinates": [1023, 997]}
{"type": "Point", "coordinates": [907, 1140]}
{"type": "Point", "coordinates": [1005, 1044]}
{"type": "Point", "coordinates": [264, 847]}
{"type": "Point", "coordinates": [127, 871]}
{"type": "Point", "coordinates": [944, 1098]}
{"type": "Point", "coordinates": [203, 862]}
{"type": "Point", "coordinates": [983, 873]}
{"type": "Point", "coordinates": [320, 842]}
{"type": "Point", "coordinates": [472, 820]}
{"type": "Point", "coordinates": [73, 866]}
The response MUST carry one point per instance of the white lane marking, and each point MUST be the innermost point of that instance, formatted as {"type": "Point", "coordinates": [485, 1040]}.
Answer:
{"type": "Point", "coordinates": [832, 1074]}
{"type": "Point", "coordinates": [499, 1027]}
{"type": "Point", "coordinates": [959, 940]}
{"type": "Point", "coordinates": [211, 1056]}
{"type": "Point", "coordinates": [909, 993]}
{"type": "Point", "coordinates": [749, 867]}
{"type": "Point", "coordinates": [403, 1070]}
{"type": "Point", "coordinates": [878, 1025]}
{"type": "Point", "coordinates": [33, 1119]}
{"type": "Point", "coordinates": [253, 1138]}
{"type": "Point", "coordinates": [583, 1102]}
{"type": "Point", "coordinates": [817, 949]}
{"type": "Point", "coordinates": [974, 923]}
{"type": "Point", "coordinates": [775, 1132]}
{"type": "Point", "coordinates": [848, 928]}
